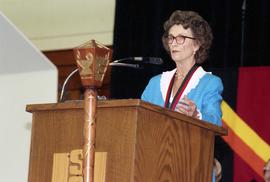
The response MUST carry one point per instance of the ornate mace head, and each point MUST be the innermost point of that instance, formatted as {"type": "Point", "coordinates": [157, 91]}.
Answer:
{"type": "Point", "coordinates": [92, 60]}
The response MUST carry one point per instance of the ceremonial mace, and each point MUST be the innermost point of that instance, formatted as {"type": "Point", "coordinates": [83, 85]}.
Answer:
{"type": "Point", "coordinates": [92, 60]}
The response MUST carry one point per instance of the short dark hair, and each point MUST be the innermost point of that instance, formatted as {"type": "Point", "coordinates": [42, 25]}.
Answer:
{"type": "Point", "coordinates": [199, 28]}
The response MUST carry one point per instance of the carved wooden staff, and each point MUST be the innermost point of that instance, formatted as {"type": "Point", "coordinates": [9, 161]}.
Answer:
{"type": "Point", "coordinates": [89, 130]}
{"type": "Point", "coordinates": [92, 59]}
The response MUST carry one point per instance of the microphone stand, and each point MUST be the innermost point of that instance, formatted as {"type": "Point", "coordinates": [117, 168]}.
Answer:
{"type": "Point", "coordinates": [125, 65]}
{"type": "Point", "coordinates": [65, 82]}
{"type": "Point", "coordinates": [135, 66]}
{"type": "Point", "coordinates": [243, 32]}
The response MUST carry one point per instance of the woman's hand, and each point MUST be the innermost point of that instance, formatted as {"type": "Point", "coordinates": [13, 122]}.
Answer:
{"type": "Point", "coordinates": [187, 107]}
{"type": "Point", "coordinates": [217, 170]}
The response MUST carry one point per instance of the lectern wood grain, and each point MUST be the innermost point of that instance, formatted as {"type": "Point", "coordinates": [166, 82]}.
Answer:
{"type": "Point", "coordinates": [144, 143]}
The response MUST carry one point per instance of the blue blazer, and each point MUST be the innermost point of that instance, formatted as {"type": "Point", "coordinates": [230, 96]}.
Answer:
{"type": "Point", "coordinates": [205, 92]}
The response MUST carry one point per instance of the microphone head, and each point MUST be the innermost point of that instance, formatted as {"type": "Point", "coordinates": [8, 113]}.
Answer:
{"type": "Point", "coordinates": [155, 60]}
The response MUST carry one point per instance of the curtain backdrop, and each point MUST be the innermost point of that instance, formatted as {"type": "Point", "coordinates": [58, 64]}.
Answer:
{"type": "Point", "coordinates": [139, 27]}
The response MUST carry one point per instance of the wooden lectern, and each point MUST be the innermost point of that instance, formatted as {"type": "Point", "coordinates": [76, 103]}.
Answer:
{"type": "Point", "coordinates": [142, 143]}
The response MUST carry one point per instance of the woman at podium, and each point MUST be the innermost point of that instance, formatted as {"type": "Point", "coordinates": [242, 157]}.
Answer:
{"type": "Point", "coordinates": [188, 88]}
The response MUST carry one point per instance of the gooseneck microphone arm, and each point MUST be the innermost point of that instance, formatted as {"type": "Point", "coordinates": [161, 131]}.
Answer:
{"type": "Point", "coordinates": [142, 60]}
{"type": "Point", "coordinates": [125, 65]}
{"type": "Point", "coordinates": [65, 82]}
{"type": "Point", "coordinates": [131, 62]}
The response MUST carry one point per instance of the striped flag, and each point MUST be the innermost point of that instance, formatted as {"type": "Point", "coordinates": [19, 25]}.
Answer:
{"type": "Point", "coordinates": [249, 126]}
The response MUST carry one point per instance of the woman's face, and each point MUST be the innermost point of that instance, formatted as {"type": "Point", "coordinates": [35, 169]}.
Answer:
{"type": "Point", "coordinates": [185, 48]}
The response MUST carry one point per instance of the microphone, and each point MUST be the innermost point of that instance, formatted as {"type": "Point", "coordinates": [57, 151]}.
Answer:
{"type": "Point", "coordinates": [142, 60]}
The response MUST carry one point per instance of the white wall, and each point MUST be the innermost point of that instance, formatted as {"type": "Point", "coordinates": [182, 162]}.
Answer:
{"type": "Point", "coordinates": [26, 77]}
{"type": "Point", "coordinates": [61, 24]}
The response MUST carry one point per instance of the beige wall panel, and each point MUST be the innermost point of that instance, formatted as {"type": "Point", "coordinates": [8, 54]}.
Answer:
{"type": "Point", "coordinates": [62, 24]}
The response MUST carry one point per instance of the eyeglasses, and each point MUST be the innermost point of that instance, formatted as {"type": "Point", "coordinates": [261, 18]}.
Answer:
{"type": "Point", "coordinates": [180, 39]}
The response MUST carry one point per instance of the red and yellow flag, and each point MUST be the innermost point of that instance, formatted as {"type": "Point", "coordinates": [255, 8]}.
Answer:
{"type": "Point", "coordinates": [249, 126]}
